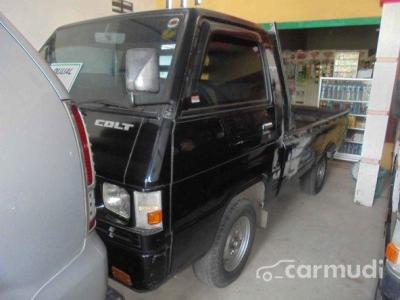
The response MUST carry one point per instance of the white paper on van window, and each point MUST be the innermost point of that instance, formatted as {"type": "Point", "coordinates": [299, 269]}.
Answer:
{"type": "Point", "coordinates": [67, 72]}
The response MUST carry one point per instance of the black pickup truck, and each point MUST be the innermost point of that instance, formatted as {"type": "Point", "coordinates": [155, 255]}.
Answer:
{"type": "Point", "coordinates": [192, 134]}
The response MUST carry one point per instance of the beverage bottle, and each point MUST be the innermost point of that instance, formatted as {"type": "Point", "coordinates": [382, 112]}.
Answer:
{"type": "Point", "coordinates": [334, 91]}
{"type": "Point", "coordinates": [362, 92]}
{"type": "Point", "coordinates": [323, 91]}
{"type": "Point", "coordinates": [329, 91]}
{"type": "Point", "coordinates": [342, 92]}
{"type": "Point", "coordinates": [353, 93]}
{"type": "Point", "coordinates": [348, 92]}
{"type": "Point", "coordinates": [358, 93]}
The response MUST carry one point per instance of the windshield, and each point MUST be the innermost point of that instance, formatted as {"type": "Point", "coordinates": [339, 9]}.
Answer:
{"type": "Point", "coordinates": [91, 56]}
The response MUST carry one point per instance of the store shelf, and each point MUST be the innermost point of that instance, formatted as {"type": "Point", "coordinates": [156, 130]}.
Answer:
{"type": "Point", "coordinates": [340, 100]}
{"type": "Point", "coordinates": [353, 142]}
{"type": "Point", "coordinates": [329, 88]}
{"type": "Point", "coordinates": [347, 79]}
{"type": "Point", "coordinates": [347, 156]}
{"type": "Point", "coordinates": [355, 128]}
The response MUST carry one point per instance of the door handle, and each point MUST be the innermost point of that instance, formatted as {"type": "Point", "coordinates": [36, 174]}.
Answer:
{"type": "Point", "coordinates": [266, 126]}
{"type": "Point", "coordinates": [236, 142]}
{"type": "Point", "coordinates": [239, 143]}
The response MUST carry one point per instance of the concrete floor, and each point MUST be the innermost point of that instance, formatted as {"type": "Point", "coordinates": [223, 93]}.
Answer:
{"type": "Point", "coordinates": [324, 229]}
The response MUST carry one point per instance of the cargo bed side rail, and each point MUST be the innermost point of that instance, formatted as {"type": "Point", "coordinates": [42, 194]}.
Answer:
{"type": "Point", "coordinates": [325, 122]}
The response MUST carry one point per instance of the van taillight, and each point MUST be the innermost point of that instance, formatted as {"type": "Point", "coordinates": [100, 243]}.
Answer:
{"type": "Point", "coordinates": [87, 162]}
{"type": "Point", "coordinates": [84, 142]}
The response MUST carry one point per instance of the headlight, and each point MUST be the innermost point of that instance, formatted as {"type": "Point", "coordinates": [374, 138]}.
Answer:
{"type": "Point", "coordinates": [117, 200]}
{"type": "Point", "coordinates": [148, 210]}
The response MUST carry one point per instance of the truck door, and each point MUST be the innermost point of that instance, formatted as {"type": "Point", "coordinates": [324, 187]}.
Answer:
{"type": "Point", "coordinates": [225, 136]}
{"type": "Point", "coordinates": [282, 105]}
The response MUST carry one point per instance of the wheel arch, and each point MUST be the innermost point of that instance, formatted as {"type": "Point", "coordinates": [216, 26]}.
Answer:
{"type": "Point", "coordinates": [256, 192]}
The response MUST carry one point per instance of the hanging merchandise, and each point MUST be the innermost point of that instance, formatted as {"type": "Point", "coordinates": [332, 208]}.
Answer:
{"type": "Point", "coordinates": [346, 64]}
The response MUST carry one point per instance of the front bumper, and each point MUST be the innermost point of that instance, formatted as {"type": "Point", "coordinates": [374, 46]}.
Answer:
{"type": "Point", "coordinates": [390, 283]}
{"type": "Point", "coordinates": [136, 256]}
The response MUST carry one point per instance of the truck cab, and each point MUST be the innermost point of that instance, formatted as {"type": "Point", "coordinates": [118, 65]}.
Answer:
{"type": "Point", "coordinates": [192, 135]}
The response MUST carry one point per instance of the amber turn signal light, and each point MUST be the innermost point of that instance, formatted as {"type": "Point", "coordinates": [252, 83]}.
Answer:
{"type": "Point", "coordinates": [121, 276]}
{"type": "Point", "coordinates": [392, 253]}
{"type": "Point", "coordinates": [154, 217]}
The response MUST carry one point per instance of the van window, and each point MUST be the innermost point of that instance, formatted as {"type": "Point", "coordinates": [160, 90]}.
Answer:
{"type": "Point", "coordinates": [101, 46]}
{"type": "Point", "coordinates": [231, 72]}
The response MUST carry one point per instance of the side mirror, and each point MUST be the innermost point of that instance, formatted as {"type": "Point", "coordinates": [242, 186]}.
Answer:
{"type": "Point", "coordinates": [142, 70]}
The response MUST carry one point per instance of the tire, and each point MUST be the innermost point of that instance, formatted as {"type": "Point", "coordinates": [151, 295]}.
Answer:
{"type": "Point", "coordinates": [313, 181]}
{"type": "Point", "coordinates": [212, 269]}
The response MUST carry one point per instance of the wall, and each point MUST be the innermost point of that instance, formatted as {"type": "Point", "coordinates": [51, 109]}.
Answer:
{"type": "Point", "coordinates": [262, 11]}
{"type": "Point", "coordinates": [37, 19]}
{"type": "Point", "coordinates": [349, 38]}
{"type": "Point", "coordinates": [141, 5]}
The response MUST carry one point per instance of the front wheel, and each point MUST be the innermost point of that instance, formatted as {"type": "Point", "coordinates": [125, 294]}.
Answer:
{"type": "Point", "coordinates": [226, 258]}
{"type": "Point", "coordinates": [313, 181]}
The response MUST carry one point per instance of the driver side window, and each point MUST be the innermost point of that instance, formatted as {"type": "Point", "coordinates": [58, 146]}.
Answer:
{"type": "Point", "coordinates": [232, 72]}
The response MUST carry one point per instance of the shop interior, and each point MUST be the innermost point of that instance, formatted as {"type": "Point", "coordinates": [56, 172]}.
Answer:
{"type": "Point", "coordinates": [332, 68]}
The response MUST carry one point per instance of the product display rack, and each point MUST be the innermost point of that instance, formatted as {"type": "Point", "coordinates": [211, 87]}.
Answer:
{"type": "Point", "coordinates": [336, 94]}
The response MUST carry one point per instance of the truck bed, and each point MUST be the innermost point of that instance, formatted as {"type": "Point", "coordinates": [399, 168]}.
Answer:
{"type": "Point", "coordinates": [314, 132]}
{"type": "Point", "coordinates": [306, 119]}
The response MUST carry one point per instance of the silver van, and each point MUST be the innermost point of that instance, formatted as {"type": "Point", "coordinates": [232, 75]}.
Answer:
{"type": "Point", "coordinates": [48, 248]}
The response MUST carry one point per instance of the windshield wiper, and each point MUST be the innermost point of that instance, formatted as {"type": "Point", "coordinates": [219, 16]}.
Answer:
{"type": "Point", "coordinates": [134, 109]}
{"type": "Point", "coordinates": [102, 102]}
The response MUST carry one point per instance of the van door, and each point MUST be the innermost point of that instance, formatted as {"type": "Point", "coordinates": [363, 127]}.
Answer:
{"type": "Point", "coordinates": [224, 138]}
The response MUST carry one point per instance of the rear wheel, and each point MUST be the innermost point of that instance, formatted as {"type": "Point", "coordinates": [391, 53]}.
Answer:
{"type": "Point", "coordinates": [313, 181]}
{"type": "Point", "coordinates": [226, 258]}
